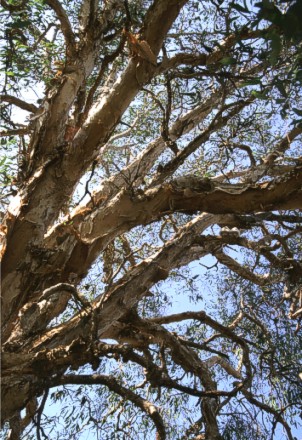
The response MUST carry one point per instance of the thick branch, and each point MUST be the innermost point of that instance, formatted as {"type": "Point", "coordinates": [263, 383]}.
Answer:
{"type": "Point", "coordinates": [92, 231]}
{"type": "Point", "coordinates": [19, 103]}
{"type": "Point", "coordinates": [125, 294]}
{"type": "Point", "coordinates": [239, 269]}
{"type": "Point", "coordinates": [65, 25]}
{"type": "Point", "coordinates": [282, 146]}
{"type": "Point", "coordinates": [60, 172]}
{"type": "Point", "coordinates": [17, 131]}
{"type": "Point", "coordinates": [144, 162]}
{"type": "Point", "coordinates": [187, 194]}
{"type": "Point", "coordinates": [202, 317]}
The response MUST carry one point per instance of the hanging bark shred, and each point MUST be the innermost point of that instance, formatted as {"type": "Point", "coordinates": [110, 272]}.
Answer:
{"type": "Point", "coordinates": [140, 48]}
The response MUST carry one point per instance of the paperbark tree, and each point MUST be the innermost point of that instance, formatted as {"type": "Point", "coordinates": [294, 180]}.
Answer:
{"type": "Point", "coordinates": [155, 140]}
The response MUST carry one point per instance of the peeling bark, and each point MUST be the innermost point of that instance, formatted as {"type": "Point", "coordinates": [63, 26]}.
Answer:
{"type": "Point", "coordinates": [190, 201]}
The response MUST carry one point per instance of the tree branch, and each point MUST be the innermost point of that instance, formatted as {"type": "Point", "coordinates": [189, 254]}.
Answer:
{"type": "Point", "coordinates": [144, 162]}
{"type": "Point", "coordinates": [19, 103]}
{"type": "Point", "coordinates": [202, 59]}
{"type": "Point", "coordinates": [109, 381]}
{"type": "Point", "coordinates": [14, 132]}
{"type": "Point", "coordinates": [282, 146]}
{"type": "Point", "coordinates": [232, 264]}
{"type": "Point", "coordinates": [97, 129]}
{"type": "Point", "coordinates": [249, 396]}
{"type": "Point", "coordinates": [14, 8]}
{"type": "Point", "coordinates": [65, 25]}
{"type": "Point", "coordinates": [184, 194]}
{"type": "Point", "coordinates": [218, 121]}
{"type": "Point", "coordinates": [117, 301]}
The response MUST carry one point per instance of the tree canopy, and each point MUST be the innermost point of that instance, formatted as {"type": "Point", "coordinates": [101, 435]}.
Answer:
{"type": "Point", "coordinates": [151, 195]}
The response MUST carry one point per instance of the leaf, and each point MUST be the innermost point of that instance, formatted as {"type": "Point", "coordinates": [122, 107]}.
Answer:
{"type": "Point", "coordinates": [259, 95]}
{"type": "Point", "coordinates": [297, 123]}
{"type": "Point", "coordinates": [280, 86]}
{"type": "Point", "coordinates": [297, 111]}
{"type": "Point", "coordinates": [276, 47]}
{"type": "Point", "coordinates": [19, 24]}
{"type": "Point", "coordinates": [240, 8]}
{"type": "Point", "coordinates": [270, 12]}
{"type": "Point", "coordinates": [251, 82]}
{"type": "Point", "coordinates": [2, 161]}
{"type": "Point", "coordinates": [227, 61]}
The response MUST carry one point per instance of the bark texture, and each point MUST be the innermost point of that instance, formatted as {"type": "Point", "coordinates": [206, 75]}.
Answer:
{"type": "Point", "coordinates": [48, 245]}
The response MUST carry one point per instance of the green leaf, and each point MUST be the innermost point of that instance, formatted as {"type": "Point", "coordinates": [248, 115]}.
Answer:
{"type": "Point", "coordinates": [259, 95]}
{"type": "Point", "coordinates": [20, 24]}
{"type": "Point", "coordinates": [240, 8]}
{"type": "Point", "coordinates": [276, 47]}
{"type": "Point", "coordinates": [280, 86]}
{"type": "Point", "coordinates": [2, 161]}
{"type": "Point", "coordinates": [297, 111]}
{"type": "Point", "coordinates": [297, 123]}
{"type": "Point", "coordinates": [227, 61]}
{"type": "Point", "coordinates": [21, 45]}
{"type": "Point", "coordinates": [251, 82]}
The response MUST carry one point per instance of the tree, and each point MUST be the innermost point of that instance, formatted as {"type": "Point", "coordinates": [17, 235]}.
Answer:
{"type": "Point", "coordinates": [160, 133]}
